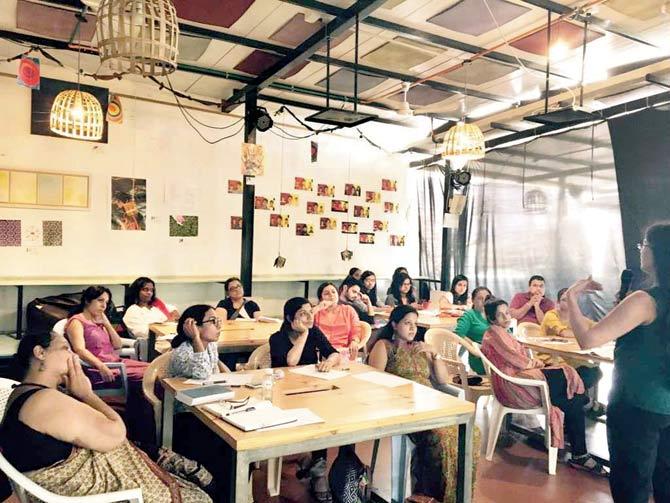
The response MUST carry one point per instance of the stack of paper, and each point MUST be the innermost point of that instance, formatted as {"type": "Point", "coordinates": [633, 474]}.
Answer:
{"type": "Point", "coordinates": [257, 415]}
{"type": "Point", "coordinates": [310, 371]}
{"type": "Point", "coordinates": [229, 378]}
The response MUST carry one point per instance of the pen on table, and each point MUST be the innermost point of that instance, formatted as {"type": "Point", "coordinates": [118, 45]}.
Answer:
{"type": "Point", "coordinates": [248, 409]}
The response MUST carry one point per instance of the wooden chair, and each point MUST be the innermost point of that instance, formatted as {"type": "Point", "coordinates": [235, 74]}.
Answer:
{"type": "Point", "coordinates": [24, 488]}
{"type": "Point", "coordinates": [156, 370]}
{"type": "Point", "coordinates": [260, 358]}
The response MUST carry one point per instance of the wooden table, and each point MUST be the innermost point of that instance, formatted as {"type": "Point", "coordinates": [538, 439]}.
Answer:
{"type": "Point", "coordinates": [235, 337]}
{"type": "Point", "coordinates": [448, 322]}
{"type": "Point", "coordinates": [569, 349]}
{"type": "Point", "coordinates": [355, 411]}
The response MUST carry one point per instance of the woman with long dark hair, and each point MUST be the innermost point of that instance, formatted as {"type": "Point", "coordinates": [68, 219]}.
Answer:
{"type": "Point", "coordinates": [143, 308]}
{"type": "Point", "coordinates": [401, 292]}
{"type": "Point", "coordinates": [638, 413]}
{"type": "Point", "coordinates": [369, 287]}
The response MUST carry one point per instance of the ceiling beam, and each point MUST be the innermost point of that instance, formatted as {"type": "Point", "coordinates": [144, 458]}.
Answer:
{"type": "Point", "coordinates": [426, 37]}
{"type": "Point", "coordinates": [358, 11]}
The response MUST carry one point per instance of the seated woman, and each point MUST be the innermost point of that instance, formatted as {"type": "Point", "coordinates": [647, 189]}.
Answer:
{"type": "Point", "coordinates": [143, 308]}
{"type": "Point", "coordinates": [236, 305]}
{"type": "Point", "coordinates": [351, 295]}
{"type": "Point", "coordinates": [354, 273]}
{"type": "Point", "coordinates": [299, 342]}
{"type": "Point", "coordinates": [401, 292]}
{"type": "Point", "coordinates": [94, 339]}
{"type": "Point", "coordinates": [566, 389]}
{"type": "Point", "coordinates": [369, 288]}
{"type": "Point", "coordinates": [435, 458]}
{"type": "Point", "coordinates": [339, 323]}
{"type": "Point", "coordinates": [473, 324]}
{"type": "Point", "coordinates": [557, 324]}
{"type": "Point", "coordinates": [457, 296]}
{"type": "Point", "coordinates": [74, 444]}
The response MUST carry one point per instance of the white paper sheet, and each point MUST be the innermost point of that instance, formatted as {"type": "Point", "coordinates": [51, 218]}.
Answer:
{"type": "Point", "coordinates": [229, 378]}
{"type": "Point", "coordinates": [304, 417]}
{"type": "Point", "coordinates": [310, 371]}
{"type": "Point", "coordinates": [382, 379]}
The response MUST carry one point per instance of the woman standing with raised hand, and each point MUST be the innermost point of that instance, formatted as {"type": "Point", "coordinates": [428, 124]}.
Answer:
{"type": "Point", "coordinates": [638, 413]}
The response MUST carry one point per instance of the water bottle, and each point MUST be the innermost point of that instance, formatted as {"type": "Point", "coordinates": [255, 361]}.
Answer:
{"type": "Point", "coordinates": [268, 384]}
{"type": "Point", "coordinates": [344, 359]}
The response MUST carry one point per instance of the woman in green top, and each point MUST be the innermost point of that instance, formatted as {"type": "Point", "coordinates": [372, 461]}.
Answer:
{"type": "Point", "coordinates": [638, 414]}
{"type": "Point", "coordinates": [472, 324]}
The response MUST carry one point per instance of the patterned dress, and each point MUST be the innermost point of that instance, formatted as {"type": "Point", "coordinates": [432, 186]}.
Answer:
{"type": "Point", "coordinates": [435, 457]}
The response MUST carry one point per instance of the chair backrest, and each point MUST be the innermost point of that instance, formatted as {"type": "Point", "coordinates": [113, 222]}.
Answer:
{"type": "Point", "coordinates": [59, 327]}
{"type": "Point", "coordinates": [260, 358]}
{"type": "Point", "coordinates": [529, 329]}
{"type": "Point", "coordinates": [157, 369]}
{"type": "Point", "coordinates": [443, 341]}
{"type": "Point", "coordinates": [6, 388]}
{"type": "Point", "coordinates": [365, 332]}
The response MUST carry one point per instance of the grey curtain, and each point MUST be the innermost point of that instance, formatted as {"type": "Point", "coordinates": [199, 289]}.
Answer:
{"type": "Point", "coordinates": [430, 204]}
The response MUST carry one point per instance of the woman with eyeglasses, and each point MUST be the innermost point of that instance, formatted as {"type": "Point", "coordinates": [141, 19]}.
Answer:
{"type": "Point", "coordinates": [299, 342]}
{"type": "Point", "coordinates": [235, 304]}
{"type": "Point", "coordinates": [638, 413]}
{"type": "Point", "coordinates": [401, 292]}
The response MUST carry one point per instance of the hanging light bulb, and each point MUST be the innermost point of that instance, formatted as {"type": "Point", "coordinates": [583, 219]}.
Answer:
{"type": "Point", "coordinates": [77, 114]}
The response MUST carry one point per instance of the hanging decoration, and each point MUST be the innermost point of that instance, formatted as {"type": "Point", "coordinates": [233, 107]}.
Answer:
{"type": "Point", "coordinates": [114, 109]}
{"type": "Point", "coordinates": [138, 36]}
{"type": "Point", "coordinates": [29, 73]}
{"type": "Point", "coordinates": [253, 159]}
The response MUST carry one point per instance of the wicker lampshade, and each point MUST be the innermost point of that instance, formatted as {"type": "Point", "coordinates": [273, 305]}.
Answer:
{"type": "Point", "coordinates": [77, 114]}
{"type": "Point", "coordinates": [464, 142]}
{"type": "Point", "coordinates": [138, 36]}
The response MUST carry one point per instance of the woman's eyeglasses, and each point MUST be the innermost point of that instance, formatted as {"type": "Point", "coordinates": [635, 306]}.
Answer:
{"type": "Point", "coordinates": [215, 321]}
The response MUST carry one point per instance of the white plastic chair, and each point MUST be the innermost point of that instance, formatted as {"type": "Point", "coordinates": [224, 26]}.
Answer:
{"type": "Point", "coordinates": [156, 370]}
{"type": "Point", "coordinates": [23, 486]}
{"type": "Point", "coordinates": [529, 329]}
{"type": "Point", "coordinates": [499, 411]}
{"type": "Point", "coordinates": [260, 358]}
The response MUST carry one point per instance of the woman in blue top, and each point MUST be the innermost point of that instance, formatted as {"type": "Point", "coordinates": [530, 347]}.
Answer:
{"type": "Point", "coordinates": [638, 414]}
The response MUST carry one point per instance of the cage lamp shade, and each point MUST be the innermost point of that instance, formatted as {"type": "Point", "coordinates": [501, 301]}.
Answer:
{"type": "Point", "coordinates": [77, 114]}
{"type": "Point", "coordinates": [138, 36]}
{"type": "Point", "coordinates": [464, 142]}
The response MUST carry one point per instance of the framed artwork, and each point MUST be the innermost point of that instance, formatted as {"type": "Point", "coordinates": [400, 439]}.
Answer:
{"type": "Point", "coordinates": [41, 189]}
{"type": "Point", "coordinates": [129, 204]}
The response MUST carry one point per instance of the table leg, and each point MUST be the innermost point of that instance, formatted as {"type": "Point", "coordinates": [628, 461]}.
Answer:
{"type": "Point", "coordinates": [242, 485]}
{"type": "Point", "coordinates": [464, 470]}
{"type": "Point", "coordinates": [398, 468]}
{"type": "Point", "coordinates": [168, 418]}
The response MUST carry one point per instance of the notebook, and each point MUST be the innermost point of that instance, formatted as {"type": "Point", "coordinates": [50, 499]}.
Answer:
{"type": "Point", "coordinates": [205, 394]}
{"type": "Point", "coordinates": [258, 418]}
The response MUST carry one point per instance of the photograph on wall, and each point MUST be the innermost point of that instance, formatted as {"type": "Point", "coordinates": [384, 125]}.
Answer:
{"type": "Point", "coordinates": [288, 199]}
{"type": "Point", "coordinates": [304, 229]}
{"type": "Point", "coordinates": [380, 225]}
{"type": "Point", "coordinates": [279, 220]}
{"type": "Point", "coordinates": [325, 190]}
{"type": "Point", "coordinates": [264, 203]}
{"type": "Point", "coordinates": [183, 226]}
{"type": "Point", "coordinates": [373, 197]}
{"type": "Point", "coordinates": [314, 208]}
{"type": "Point", "coordinates": [349, 227]}
{"type": "Point", "coordinates": [366, 238]}
{"type": "Point", "coordinates": [362, 211]}
{"type": "Point", "coordinates": [10, 232]}
{"type": "Point", "coordinates": [234, 187]}
{"type": "Point", "coordinates": [339, 205]}
{"type": "Point", "coordinates": [42, 99]}
{"type": "Point", "coordinates": [351, 189]}
{"type": "Point", "coordinates": [391, 207]}
{"type": "Point", "coordinates": [253, 159]}
{"type": "Point", "coordinates": [52, 233]}
{"type": "Point", "coordinates": [328, 224]}
{"type": "Point", "coordinates": [304, 183]}
{"type": "Point", "coordinates": [396, 240]}
{"type": "Point", "coordinates": [391, 185]}
{"type": "Point", "coordinates": [236, 223]}
{"type": "Point", "coordinates": [129, 204]}
{"type": "Point", "coordinates": [314, 151]}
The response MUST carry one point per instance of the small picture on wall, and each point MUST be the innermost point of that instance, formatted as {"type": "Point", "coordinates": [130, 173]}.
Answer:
{"type": "Point", "coordinates": [349, 227]}
{"type": "Point", "coordinates": [253, 159]}
{"type": "Point", "coordinates": [52, 233]}
{"type": "Point", "coordinates": [380, 225]}
{"type": "Point", "coordinates": [362, 211]}
{"type": "Point", "coordinates": [234, 187]}
{"type": "Point", "coordinates": [339, 205]}
{"type": "Point", "coordinates": [10, 232]}
{"type": "Point", "coordinates": [129, 204]}
{"type": "Point", "coordinates": [351, 189]}
{"type": "Point", "coordinates": [287, 199]}
{"type": "Point", "coordinates": [366, 238]}
{"type": "Point", "coordinates": [325, 190]}
{"type": "Point", "coordinates": [279, 220]}
{"type": "Point", "coordinates": [391, 207]}
{"type": "Point", "coordinates": [373, 197]}
{"type": "Point", "coordinates": [314, 208]}
{"type": "Point", "coordinates": [304, 229]}
{"type": "Point", "coordinates": [328, 224]}
{"type": "Point", "coordinates": [391, 185]}
{"type": "Point", "coordinates": [314, 151]}
{"type": "Point", "coordinates": [264, 203]}
{"type": "Point", "coordinates": [304, 183]}
{"type": "Point", "coordinates": [396, 240]}
{"type": "Point", "coordinates": [183, 226]}
{"type": "Point", "coordinates": [236, 223]}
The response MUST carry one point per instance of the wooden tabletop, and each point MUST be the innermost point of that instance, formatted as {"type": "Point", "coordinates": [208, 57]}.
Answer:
{"type": "Point", "coordinates": [568, 349]}
{"type": "Point", "coordinates": [235, 335]}
{"type": "Point", "coordinates": [354, 405]}
{"type": "Point", "coordinates": [448, 322]}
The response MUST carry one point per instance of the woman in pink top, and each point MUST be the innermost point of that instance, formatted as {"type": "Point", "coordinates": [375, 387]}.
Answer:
{"type": "Point", "coordinates": [566, 389]}
{"type": "Point", "coordinates": [93, 338]}
{"type": "Point", "coordinates": [338, 322]}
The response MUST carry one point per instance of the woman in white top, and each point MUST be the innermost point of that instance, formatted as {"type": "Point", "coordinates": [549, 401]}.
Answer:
{"type": "Point", "coordinates": [143, 308]}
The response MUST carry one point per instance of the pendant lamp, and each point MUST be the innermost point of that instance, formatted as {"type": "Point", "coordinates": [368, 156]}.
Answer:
{"type": "Point", "coordinates": [77, 114]}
